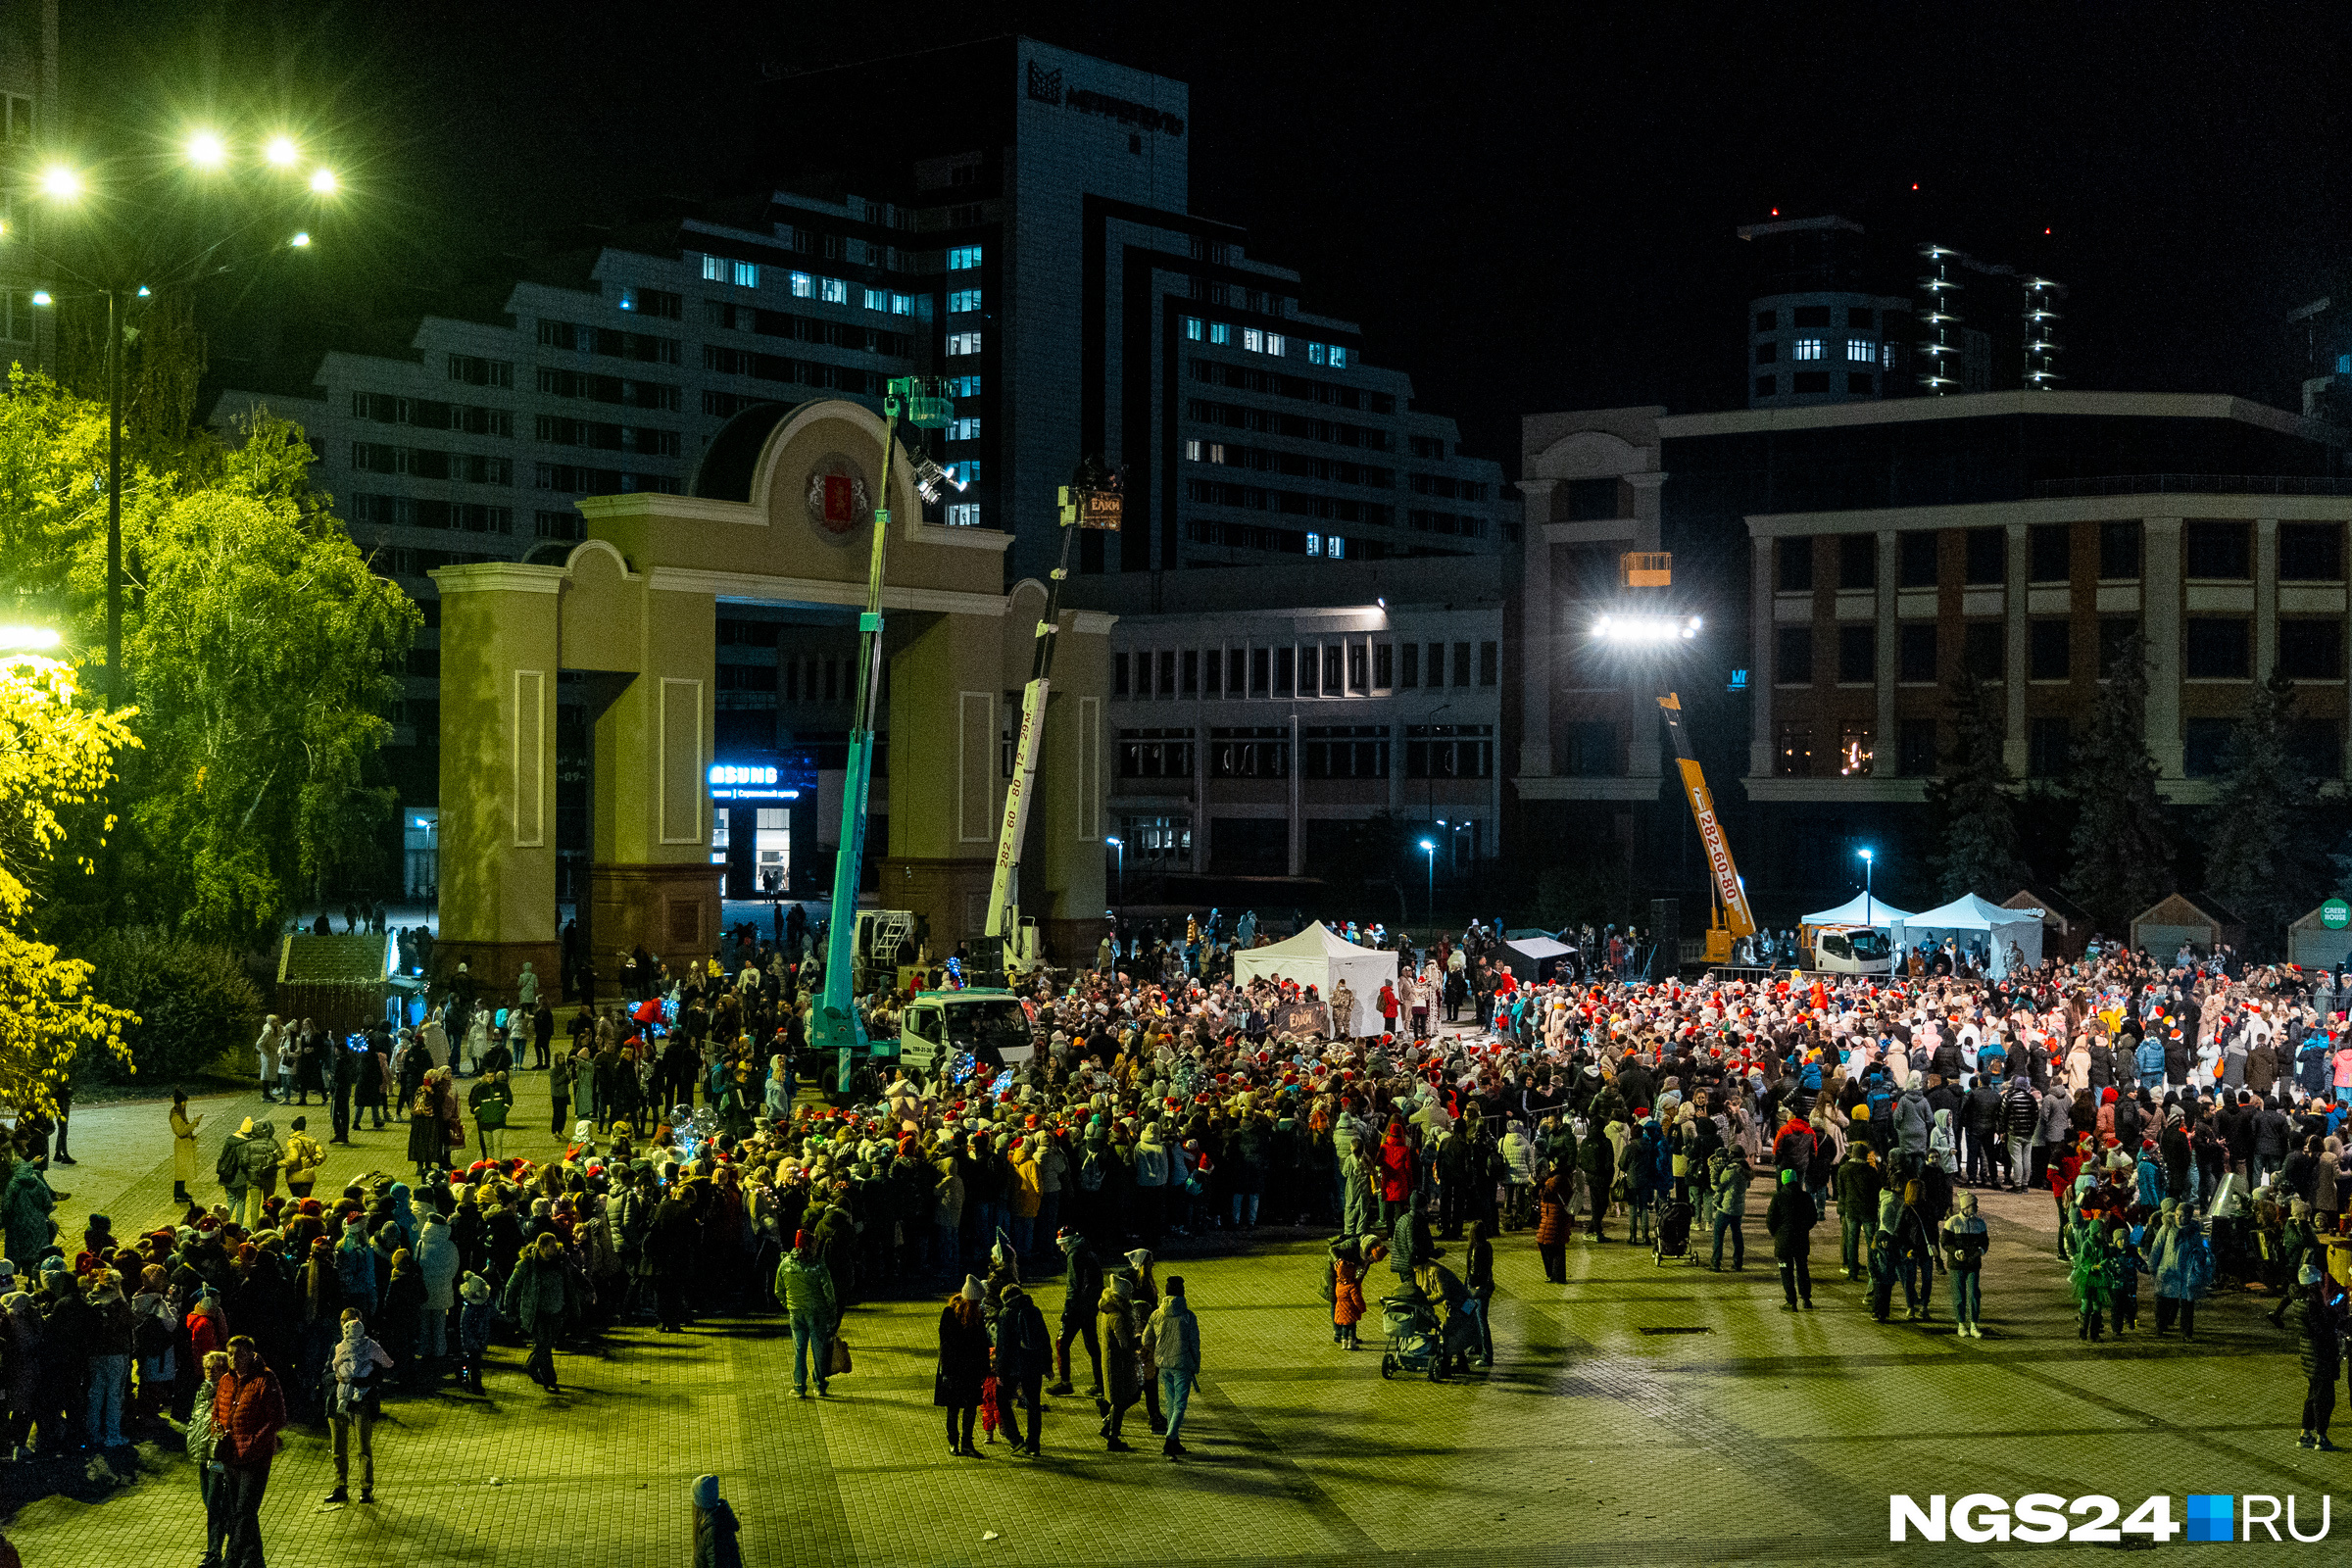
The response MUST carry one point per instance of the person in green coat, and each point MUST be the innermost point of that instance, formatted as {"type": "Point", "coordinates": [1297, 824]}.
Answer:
{"type": "Point", "coordinates": [537, 1292]}
{"type": "Point", "coordinates": [805, 1285]}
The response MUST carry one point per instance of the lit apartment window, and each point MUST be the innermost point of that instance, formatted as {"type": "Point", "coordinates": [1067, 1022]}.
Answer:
{"type": "Point", "coordinates": [803, 287]}
{"type": "Point", "coordinates": [1191, 328]}
{"type": "Point", "coordinates": [1253, 340]}
{"type": "Point", "coordinates": [1192, 452]}
{"type": "Point", "coordinates": [714, 269]}
{"type": "Point", "coordinates": [1861, 351]}
{"type": "Point", "coordinates": [877, 299]}
{"type": "Point", "coordinates": [834, 291]}
{"type": "Point", "coordinates": [1806, 348]}
{"type": "Point", "coordinates": [961, 300]}
{"type": "Point", "coordinates": [964, 429]}
{"type": "Point", "coordinates": [963, 386]}
{"type": "Point", "coordinates": [1220, 332]}
{"type": "Point", "coordinates": [747, 276]}
{"type": "Point", "coordinates": [1886, 355]}
{"type": "Point", "coordinates": [1216, 452]}
{"type": "Point", "coordinates": [1315, 544]}
{"type": "Point", "coordinates": [963, 514]}
{"type": "Point", "coordinates": [1314, 354]}
{"type": "Point", "coordinates": [1274, 343]}
{"type": "Point", "coordinates": [964, 258]}
{"type": "Point", "coordinates": [1336, 547]}
{"type": "Point", "coordinates": [1339, 358]}
{"type": "Point", "coordinates": [963, 342]}
{"type": "Point", "coordinates": [902, 304]}
{"type": "Point", "coordinates": [968, 472]}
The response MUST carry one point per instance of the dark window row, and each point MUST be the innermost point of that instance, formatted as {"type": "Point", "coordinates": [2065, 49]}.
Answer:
{"type": "Point", "coordinates": [594, 388]}
{"type": "Point", "coordinates": [431, 415]}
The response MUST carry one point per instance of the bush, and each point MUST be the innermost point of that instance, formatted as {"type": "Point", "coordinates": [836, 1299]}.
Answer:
{"type": "Point", "coordinates": [195, 1003]}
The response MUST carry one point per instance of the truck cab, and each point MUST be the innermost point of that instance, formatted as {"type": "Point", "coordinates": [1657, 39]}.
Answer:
{"type": "Point", "coordinates": [1852, 950]}
{"type": "Point", "coordinates": [988, 1024]}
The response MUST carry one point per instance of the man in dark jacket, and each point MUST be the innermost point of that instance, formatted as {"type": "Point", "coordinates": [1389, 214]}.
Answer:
{"type": "Point", "coordinates": [1859, 1184]}
{"type": "Point", "coordinates": [1079, 1302]}
{"type": "Point", "coordinates": [1024, 1352]}
{"type": "Point", "coordinates": [1789, 1220]}
{"type": "Point", "coordinates": [2021, 1123]}
{"type": "Point", "coordinates": [1979, 1122]}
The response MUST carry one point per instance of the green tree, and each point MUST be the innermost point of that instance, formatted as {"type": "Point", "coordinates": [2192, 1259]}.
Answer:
{"type": "Point", "coordinates": [263, 656]}
{"type": "Point", "coordinates": [2121, 849]}
{"type": "Point", "coordinates": [195, 1003]}
{"type": "Point", "coordinates": [2259, 859]}
{"type": "Point", "coordinates": [1972, 800]}
{"type": "Point", "coordinates": [56, 759]}
{"type": "Point", "coordinates": [260, 651]}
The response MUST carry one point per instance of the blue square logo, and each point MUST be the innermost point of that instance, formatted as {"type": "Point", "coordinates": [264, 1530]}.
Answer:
{"type": "Point", "coordinates": [2212, 1516]}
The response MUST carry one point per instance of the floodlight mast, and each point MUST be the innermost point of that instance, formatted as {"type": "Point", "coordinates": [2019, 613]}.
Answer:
{"type": "Point", "coordinates": [836, 1025]}
{"type": "Point", "coordinates": [1093, 499]}
{"type": "Point", "coordinates": [1640, 632]}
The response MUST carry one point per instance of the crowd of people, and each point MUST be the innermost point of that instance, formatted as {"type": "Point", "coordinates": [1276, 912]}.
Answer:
{"type": "Point", "coordinates": [2182, 1118]}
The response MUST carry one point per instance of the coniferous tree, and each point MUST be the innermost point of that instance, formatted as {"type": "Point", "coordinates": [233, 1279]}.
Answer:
{"type": "Point", "coordinates": [2121, 849]}
{"type": "Point", "coordinates": [2261, 862]}
{"type": "Point", "coordinates": [1971, 800]}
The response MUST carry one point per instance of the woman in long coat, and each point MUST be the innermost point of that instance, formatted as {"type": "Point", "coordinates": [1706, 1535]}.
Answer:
{"type": "Point", "coordinates": [185, 1152]}
{"type": "Point", "coordinates": [963, 1367]}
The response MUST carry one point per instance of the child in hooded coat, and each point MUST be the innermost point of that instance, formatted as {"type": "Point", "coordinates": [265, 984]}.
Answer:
{"type": "Point", "coordinates": [474, 1329]}
{"type": "Point", "coordinates": [714, 1528]}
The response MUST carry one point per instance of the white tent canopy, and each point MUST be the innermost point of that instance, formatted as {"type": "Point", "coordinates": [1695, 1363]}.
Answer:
{"type": "Point", "coordinates": [1968, 917]}
{"type": "Point", "coordinates": [1318, 957]}
{"type": "Point", "coordinates": [1850, 913]}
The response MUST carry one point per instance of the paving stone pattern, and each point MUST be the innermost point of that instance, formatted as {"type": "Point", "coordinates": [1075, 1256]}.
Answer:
{"type": "Point", "coordinates": [1765, 1436]}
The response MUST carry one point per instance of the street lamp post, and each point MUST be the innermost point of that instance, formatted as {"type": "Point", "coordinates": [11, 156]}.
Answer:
{"type": "Point", "coordinates": [206, 151]}
{"type": "Point", "coordinates": [1866, 904]}
{"type": "Point", "coordinates": [1429, 851]}
{"type": "Point", "coordinates": [1119, 888]}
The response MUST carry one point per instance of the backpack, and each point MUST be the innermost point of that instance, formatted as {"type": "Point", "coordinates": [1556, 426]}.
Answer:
{"type": "Point", "coordinates": [1090, 1173]}
{"type": "Point", "coordinates": [228, 1169]}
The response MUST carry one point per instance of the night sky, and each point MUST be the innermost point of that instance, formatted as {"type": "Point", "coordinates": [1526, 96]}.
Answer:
{"type": "Point", "coordinates": [1523, 214]}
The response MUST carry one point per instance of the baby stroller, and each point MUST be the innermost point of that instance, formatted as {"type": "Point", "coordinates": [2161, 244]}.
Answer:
{"type": "Point", "coordinates": [1415, 1341]}
{"type": "Point", "coordinates": [1673, 1238]}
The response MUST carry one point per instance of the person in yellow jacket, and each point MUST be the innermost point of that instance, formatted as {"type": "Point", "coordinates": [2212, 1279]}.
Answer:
{"type": "Point", "coordinates": [303, 1157]}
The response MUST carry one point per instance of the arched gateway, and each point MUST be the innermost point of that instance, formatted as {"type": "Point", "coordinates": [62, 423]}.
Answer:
{"type": "Point", "coordinates": [781, 514]}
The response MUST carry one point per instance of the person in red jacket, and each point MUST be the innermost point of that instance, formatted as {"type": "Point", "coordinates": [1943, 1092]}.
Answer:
{"type": "Point", "coordinates": [1395, 1174]}
{"type": "Point", "coordinates": [249, 1410]}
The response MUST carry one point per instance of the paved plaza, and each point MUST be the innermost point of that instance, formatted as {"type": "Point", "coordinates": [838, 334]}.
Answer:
{"type": "Point", "coordinates": [1638, 1414]}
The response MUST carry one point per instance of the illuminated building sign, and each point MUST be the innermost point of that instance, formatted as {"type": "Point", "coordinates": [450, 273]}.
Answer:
{"type": "Point", "coordinates": [751, 781]}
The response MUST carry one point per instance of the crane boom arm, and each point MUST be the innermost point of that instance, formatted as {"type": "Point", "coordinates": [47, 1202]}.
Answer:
{"type": "Point", "coordinates": [1727, 890]}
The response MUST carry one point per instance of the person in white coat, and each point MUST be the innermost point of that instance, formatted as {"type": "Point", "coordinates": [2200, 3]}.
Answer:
{"type": "Point", "coordinates": [270, 1050]}
{"type": "Point", "coordinates": [437, 1262]}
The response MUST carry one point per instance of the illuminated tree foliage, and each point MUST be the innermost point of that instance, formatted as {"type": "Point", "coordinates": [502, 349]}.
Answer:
{"type": "Point", "coordinates": [56, 759]}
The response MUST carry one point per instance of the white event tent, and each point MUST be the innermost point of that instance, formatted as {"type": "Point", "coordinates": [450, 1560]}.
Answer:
{"type": "Point", "coordinates": [1851, 912]}
{"type": "Point", "coordinates": [1318, 957]}
{"type": "Point", "coordinates": [1968, 917]}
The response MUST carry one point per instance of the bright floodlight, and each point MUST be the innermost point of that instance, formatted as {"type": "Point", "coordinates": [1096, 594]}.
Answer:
{"type": "Point", "coordinates": [60, 182]}
{"type": "Point", "coordinates": [41, 296]}
{"type": "Point", "coordinates": [23, 637]}
{"type": "Point", "coordinates": [322, 181]}
{"type": "Point", "coordinates": [281, 150]}
{"type": "Point", "coordinates": [300, 240]}
{"type": "Point", "coordinates": [1430, 846]}
{"type": "Point", "coordinates": [1865, 853]}
{"type": "Point", "coordinates": [206, 150]}
{"type": "Point", "coordinates": [1114, 842]}
{"type": "Point", "coordinates": [1645, 628]}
